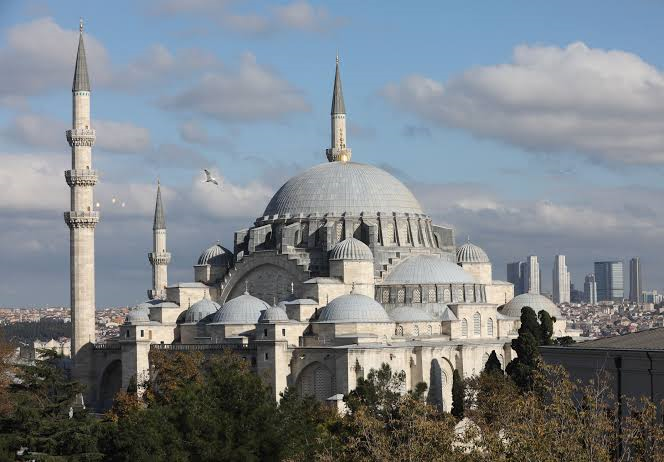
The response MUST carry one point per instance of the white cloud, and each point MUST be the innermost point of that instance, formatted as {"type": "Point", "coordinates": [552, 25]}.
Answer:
{"type": "Point", "coordinates": [607, 105]}
{"type": "Point", "coordinates": [121, 137]}
{"type": "Point", "coordinates": [251, 93]}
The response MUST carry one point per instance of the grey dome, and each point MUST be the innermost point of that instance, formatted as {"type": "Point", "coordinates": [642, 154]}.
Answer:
{"type": "Point", "coordinates": [273, 314]}
{"type": "Point", "coordinates": [245, 309]}
{"type": "Point", "coordinates": [353, 308]}
{"type": "Point", "coordinates": [351, 249]}
{"type": "Point", "coordinates": [201, 310]}
{"type": "Point", "coordinates": [409, 314]}
{"type": "Point", "coordinates": [217, 255]}
{"type": "Point", "coordinates": [536, 301]}
{"type": "Point", "coordinates": [470, 253]}
{"type": "Point", "coordinates": [343, 187]}
{"type": "Point", "coordinates": [428, 269]}
{"type": "Point", "coordinates": [139, 313]}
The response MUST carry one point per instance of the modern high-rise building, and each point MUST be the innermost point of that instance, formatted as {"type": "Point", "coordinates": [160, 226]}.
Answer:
{"type": "Point", "coordinates": [561, 280]}
{"type": "Point", "coordinates": [515, 276]}
{"type": "Point", "coordinates": [635, 286]}
{"type": "Point", "coordinates": [610, 279]}
{"type": "Point", "coordinates": [531, 275]}
{"type": "Point", "coordinates": [590, 289]}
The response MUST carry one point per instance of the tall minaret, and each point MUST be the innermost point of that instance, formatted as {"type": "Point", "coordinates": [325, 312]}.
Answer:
{"type": "Point", "coordinates": [159, 258]}
{"type": "Point", "coordinates": [82, 218]}
{"type": "Point", "coordinates": [338, 150]}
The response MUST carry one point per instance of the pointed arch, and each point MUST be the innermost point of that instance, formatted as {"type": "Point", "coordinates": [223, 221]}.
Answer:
{"type": "Point", "coordinates": [477, 324]}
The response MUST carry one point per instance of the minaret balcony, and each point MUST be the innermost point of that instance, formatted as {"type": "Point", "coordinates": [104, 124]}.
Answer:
{"type": "Point", "coordinates": [81, 177]}
{"type": "Point", "coordinates": [338, 154]}
{"type": "Point", "coordinates": [159, 258]}
{"type": "Point", "coordinates": [81, 219]}
{"type": "Point", "coordinates": [81, 137]}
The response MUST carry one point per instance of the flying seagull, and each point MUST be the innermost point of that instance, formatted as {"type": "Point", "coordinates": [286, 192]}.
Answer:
{"type": "Point", "coordinates": [209, 178]}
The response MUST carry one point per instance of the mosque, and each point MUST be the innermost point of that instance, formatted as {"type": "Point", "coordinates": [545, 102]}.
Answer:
{"type": "Point", "coordinates": [342, 272]}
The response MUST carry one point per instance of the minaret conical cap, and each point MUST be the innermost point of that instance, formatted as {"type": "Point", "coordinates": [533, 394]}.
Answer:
{"type": "Point", "coordinates": [159, 217]}
{"type": "Point", "coordinates": [81, 79]}
{"type": "Point", "coordinates": [338, 106]}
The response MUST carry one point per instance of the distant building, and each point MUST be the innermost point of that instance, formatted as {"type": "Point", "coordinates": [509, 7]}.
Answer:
{"type": "Point", "coordinates": [561, 280]}
{"type": "Point", "coordinates": [609, 276]}
{"type": "Point", "coordinates": [590, 289]}
{"type": "Point", "coordinates": [651, 296]}
{"type": "Point", "coordinates": [635, 287]}
{"type": "Point", "coordinates": [575, 295]}
{"type": "Point", "coordinates": [62, 347]}
{"type": "Point", "coordinates": [531, 275]}
{"type": "Point", "coordinates": [515, 276]}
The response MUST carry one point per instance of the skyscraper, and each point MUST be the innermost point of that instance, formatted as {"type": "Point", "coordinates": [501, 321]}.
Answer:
{"type": "Point", "coordinates": [515, 276]}
{"type": "Point", "coordinates": [590, 289]}
{"type": "Point", "coordinates": [609, 276]}
{"type": "Point", "coordinates": [561, 280]}
{"type": "Point", "coordinates": [635, 286]}
{"type": "Point", "coordinates": [531, 275]}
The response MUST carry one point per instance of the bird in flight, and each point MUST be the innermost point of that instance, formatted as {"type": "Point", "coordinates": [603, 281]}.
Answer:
{"type": "Point", "coordinates": [209, 178]}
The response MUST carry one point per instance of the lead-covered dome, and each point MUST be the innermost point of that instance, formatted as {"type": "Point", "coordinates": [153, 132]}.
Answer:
{"type": "Point", "coordinates": [353, 308]}
{"type": "Point", "coordinates": [201, 310]}
{"type": "Point", "coordinates": [351, 249]}
{"type": "Point", "coordinates": [273, 314]}
{"type": "Point", "coordinates": [535, 301]}
{"type": "Point", "coordinates": [138, 314]}
{"type": "Point", "coordinates": [245, 309]}
{"type": "Point", "coordinates": [471, 253]}
{"type": "Point", "coordinates": [343, 187]}
{"type": "Point", "coordinates": [216, 255]}
{"type": "Point", "coordinates": [428, 269]}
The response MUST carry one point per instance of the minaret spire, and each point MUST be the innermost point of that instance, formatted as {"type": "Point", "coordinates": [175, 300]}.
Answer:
{"type": "Point", "coordinates": [338, 152]}
{"type": "Point", "coordinates": [159, 258]}
{"type": "Point", "coordinates": [81, 79]}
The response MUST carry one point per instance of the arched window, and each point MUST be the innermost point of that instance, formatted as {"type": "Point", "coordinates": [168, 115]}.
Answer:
{"type": "Point", "coordinates": [447, 296]}
{"type": "Point", "coordinates": [417, 295]}
{"type": "Point", "coordinates": [489, 327]}
{"type": "Point", "coordinates": [386, 296]}
{"type": "Point", "coordinates": [401, 296]}
{"type": "Point", "coordinates": [432, 295]}
{"type": "Point", "coordinates": [429, 330]}
{"type": "Point", "coordinates": [416, 330]}
{"type": "Point", "coordinates": [400, 330]}
{"type": "Point", "coordinates": [464, 327]}
{"type": "Point", "coordinates": [477, 324]}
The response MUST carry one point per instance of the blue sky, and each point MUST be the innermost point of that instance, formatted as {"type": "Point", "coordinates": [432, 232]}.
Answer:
{"type": "Point", "coordinates": [533, 127]}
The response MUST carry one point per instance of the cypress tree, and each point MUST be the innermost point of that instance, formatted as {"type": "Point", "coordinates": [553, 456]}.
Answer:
{"type": "Point", "coordinates": [546, 328]}
{"type": "Point", "coordinates": [458, 392]}
{"type": "Point", "coordinates": [526, 346]}
{"type": "Point", "coordinates": [492, 365]}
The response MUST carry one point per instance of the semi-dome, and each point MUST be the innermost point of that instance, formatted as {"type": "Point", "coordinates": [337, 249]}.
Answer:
{"type": "Point", "coordinates": [428, 269]}
{"type": "Point", "coordinates": [201, 310]}
{"type": "Point", "coordinates": [353, 308]}
{"type": "Point", "coordinates": [471, 253]}
{"type": "Point", "coordinates": [351, 249]}
{"type": "Point", "coordinates": [343, 188]}
{"type": "Point", "coordinates": [273, 314]}
{"type": "Point", "coordinates": [216, 255]}
{"type": "Point", "coordinates": [139, 313]}
{"type": "Point", "coordinates": [409, 314]}
{"type": "Point", "coordinates": [536, 301]}
{"type": "Point", "coordinates": [245, 309]}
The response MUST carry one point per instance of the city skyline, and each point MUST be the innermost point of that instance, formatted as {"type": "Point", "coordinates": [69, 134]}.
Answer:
{"type": "Point", "coordinates": [153, 121]}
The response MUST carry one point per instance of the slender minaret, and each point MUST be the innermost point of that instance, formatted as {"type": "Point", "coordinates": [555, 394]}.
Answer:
{"type": "Point", "coordinates": [159, 258]}
{"type": "Point", "coordinates": [82, 218]}
{"type": "Point", "coordinates": [338, 150]}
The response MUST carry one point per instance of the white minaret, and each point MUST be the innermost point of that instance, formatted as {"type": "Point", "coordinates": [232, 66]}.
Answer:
{"type": "Point", "coordinates": [338, 152]}
{"type": "Point", "coordinates": [159, 258]}
{"type": "Point", "coordinates": [82, 218]}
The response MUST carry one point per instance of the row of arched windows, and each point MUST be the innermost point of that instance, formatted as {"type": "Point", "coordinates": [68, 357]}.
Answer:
{"type": "Point", "coordinates": [477, 326]}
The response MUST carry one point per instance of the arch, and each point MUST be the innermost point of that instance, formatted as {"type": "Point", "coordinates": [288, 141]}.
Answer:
{"type": "Point", "coordinates": [110, 384]}
{"type": "Point", "coordinates": [315, 381]}
{"type": "Point", "coordinates": [429, 330]}
{"type": "Point", "coordinates": [485, 358]}
{"type": "Point", "coordinates": [416, 330]}
{"type": "Point", "coordinates": [464, 327]}
{"type": "Point", "coordinates": [489, 327]}
{"type": "Point", "coordinates": [439, 393]}
{"type": "Point", "coordinates": [477, 324]}
{"type": "Point", "coordinates": [417, 295]}
{"type": "Point", "coordinates": [400, 330]}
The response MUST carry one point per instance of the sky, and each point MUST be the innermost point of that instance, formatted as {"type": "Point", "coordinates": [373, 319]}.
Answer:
{"type": "Point", "coordinates": [531, 127]}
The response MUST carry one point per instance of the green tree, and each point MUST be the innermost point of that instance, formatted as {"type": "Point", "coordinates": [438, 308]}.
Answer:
{"type": "Point", "coordinates": [492, 365]}
{"type": "Point", "coordinates": [526, 346]}
{"type": "Point", "coordinates": [380, 392]}
{"type": "Point", "coordinates": [458, 395]}
{"type": "Point", "coordinates": [545, 328]}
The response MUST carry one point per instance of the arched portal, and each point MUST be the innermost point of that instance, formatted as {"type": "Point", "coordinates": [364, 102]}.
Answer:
{"type": "Point", "coordinates": [315, 380]}
{"type": "Point", "coordinates": [110, 384]}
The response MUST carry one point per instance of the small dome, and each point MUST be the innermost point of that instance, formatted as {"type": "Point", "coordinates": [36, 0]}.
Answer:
{"type": "Point", "coordinates": [428, 269]}
{"type": "Point", "coordinates": [536, 301]}
{"type": "Point", "coordinates": [273, 314]}
{"type": "Point", "coordinates": [245, 309]}
{"type": "Point", "coordinates": [353, 308]}
{"type": "Point", "coordinates": [217, 255]}
{"type": "Point", "coordinates": [470, 253]}
{"type": "Point", "coordinates": [351, 249]}
{"type": "Point", "coordinates": [139, 313]}
{"type": "Point", "coordinates": [201, 310]}
{"type": "Point", "coordinates": [409, 314]}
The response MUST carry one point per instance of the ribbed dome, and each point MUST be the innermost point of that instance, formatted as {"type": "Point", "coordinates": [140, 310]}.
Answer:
{"type": "Point", "coordinates": [470, 253]}
{"type": "Point", "coordinates": [536, 301]}
{"type": "Point", "coordinates": [409, 314]}
{"type": "Point", "coordinates": [351, 249]}
{"type": "Point", "coordinates": [353, 308]}
{"type": "Point", "coordinates": [273, 314]}
{"type": "Point", "coordinates": [217, 255]}
{"type": "Point", "coordinates": [428, 269]}
{"type": "Point", "coordinates": [201, 310]}
{"type": "Point", "coordinates": [343, 187]}
{"type": "Point", "coordinates": [139, 313]}
{"type": "Point", "coordinates": [245, 309]}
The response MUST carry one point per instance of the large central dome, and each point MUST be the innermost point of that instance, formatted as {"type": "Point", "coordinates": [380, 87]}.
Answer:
{"type": "Point", "coordinates": [338, 188]}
